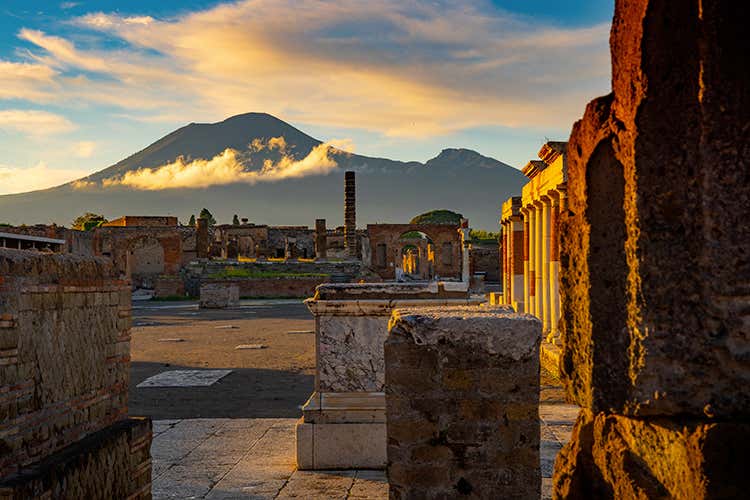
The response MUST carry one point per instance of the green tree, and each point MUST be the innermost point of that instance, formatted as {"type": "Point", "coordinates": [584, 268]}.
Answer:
{"type": "Point", "coordinates": [235, 220]}
{"type": "Point", "coordinates": [438, 217]}
{"type": "Point", "coordinates": [192, 220]}
{"type": "Point", "coordinates": [481, 234]}
{"type": "Point", "coordinates": [205, 214]}
{"type": "Point", "coordinates": [88, 221]}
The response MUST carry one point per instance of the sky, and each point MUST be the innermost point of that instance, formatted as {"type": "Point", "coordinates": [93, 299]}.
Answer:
{"type": "Point", "coordinates": [84, 84]}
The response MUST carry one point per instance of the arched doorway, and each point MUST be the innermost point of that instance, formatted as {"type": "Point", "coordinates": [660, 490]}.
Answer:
{"type": "Point", "coordinates": [416, 255]}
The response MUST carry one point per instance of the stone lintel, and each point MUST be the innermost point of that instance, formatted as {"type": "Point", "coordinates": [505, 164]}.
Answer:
{"type": "Point", "coordinates": [375, 307]}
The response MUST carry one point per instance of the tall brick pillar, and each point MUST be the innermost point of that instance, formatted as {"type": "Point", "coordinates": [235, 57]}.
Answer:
{"type": "Point", "coordinates": [321, 239]}
{"type": "Point", "coordinates": [201, 238]}
{"type": "Point", "coordinates": [350, 214]}
{"type": "Point", "coordinates": [655, 267]}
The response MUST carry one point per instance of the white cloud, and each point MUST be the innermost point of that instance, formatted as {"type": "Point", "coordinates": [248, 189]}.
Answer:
{"type": "Point", "coordinates": [84, 149]}
{"type": "Point", "coordinates": [15, 179]}
{"type": "Point", "coordinates": [34, 122]}
{"type": "Point", "coordinates": [226, 168]}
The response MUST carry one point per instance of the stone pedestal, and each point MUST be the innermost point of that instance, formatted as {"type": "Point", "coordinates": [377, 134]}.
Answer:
{"type": "Point", "coordinates": [343, 422]}
{"type": "Point", "coordinates": [462, 399]}
{"type": "Point", "coordinates": [219, 296]}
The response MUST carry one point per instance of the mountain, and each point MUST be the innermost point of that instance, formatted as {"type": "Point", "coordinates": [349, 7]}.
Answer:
{"type": "Point", "coordinates": [387, 191]}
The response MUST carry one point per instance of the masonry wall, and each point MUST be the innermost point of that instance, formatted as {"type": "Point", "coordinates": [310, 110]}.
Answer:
{"type": "Point", "coordinates": [301, 287]}
{"type": "Point", "coordinates": [486, 259]}
{"type": "Point", "coordinates": [64, 356]}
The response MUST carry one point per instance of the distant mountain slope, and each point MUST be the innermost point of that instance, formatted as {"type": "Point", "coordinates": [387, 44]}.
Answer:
{"type": "Point", "coordinates": [387, 191]}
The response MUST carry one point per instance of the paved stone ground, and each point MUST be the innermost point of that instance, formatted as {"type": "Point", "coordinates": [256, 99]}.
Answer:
{"type": "Point", "coordinates": [254, 458]}
{"type": "Point", "coordinates": [235, 438]}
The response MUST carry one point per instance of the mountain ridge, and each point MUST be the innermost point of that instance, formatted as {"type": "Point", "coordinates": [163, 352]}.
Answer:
{"type": "Point", "coordinates": [388, 190]}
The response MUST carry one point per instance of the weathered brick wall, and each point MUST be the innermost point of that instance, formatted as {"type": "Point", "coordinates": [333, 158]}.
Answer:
{"type": "Point", "coordinates": [64, 352]}
{"type": "Point", "coordinates": [462, 397]}
{"type": "Point", "coordinates": [485, 259]}
{"type": "Point", "coordinates": [110, 464]}
{"type": "Point", "coordinates": [219, 295]}
{"type": "Point", "coordinates": [169, 286]}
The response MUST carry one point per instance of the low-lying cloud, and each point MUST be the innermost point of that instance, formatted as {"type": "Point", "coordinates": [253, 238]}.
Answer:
{"type": "Point", "coordinates": [229, 167]}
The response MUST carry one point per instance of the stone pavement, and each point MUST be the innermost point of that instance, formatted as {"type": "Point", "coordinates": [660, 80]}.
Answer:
{"type": "Point", "coordinates": [254, 458]}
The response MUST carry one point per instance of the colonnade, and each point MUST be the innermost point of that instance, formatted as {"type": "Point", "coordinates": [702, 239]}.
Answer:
{"type": "Point", "coordinates": [531, 241]}
{"type": "Point", "coordinates": [542, 259]}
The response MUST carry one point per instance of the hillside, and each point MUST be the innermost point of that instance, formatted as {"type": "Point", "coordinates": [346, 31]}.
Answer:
{"type": "Point", "coordinates": [387, 191]}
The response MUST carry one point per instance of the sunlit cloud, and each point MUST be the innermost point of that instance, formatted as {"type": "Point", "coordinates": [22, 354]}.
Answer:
{"type": "Point", "coordinates": [402, 69]}
{"type": "Point", "coordinates": [34, 122]}
{"type": "Point", "coordinates": [84, 149]}
{"type": "Point", "coordinates": [228, 167]}
{"type": "Point", "coordinates": [15, 179]}
{"type": "Point", "coordinates": [27, 81]}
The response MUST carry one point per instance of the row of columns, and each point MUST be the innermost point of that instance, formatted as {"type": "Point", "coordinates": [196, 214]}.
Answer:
{"type": "Point", "coordinates": [542, 260]}
{"type": "Point", "coordinates": [532, 284]}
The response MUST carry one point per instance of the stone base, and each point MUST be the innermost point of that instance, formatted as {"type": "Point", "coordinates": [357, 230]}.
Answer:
{"type": "Point", "coordinates": [112, 463]}
{"type": "Point", "coordinates": [612, 456]}
{"type": "Point", "coordinates": [342, 431]}
{"type": "Point", "coordinates": [549, 358]}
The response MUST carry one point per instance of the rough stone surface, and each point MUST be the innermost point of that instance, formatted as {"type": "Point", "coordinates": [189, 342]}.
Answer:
{"type": "Point", "coordinates": [462, 404]}
{"type": "Point", "coordinates": [219, 295]}
{"type": "Point", "coordinates": [350, 336]}
{"type": "Point", "coordinates": [613, 456]}
{"type": "Point", "coordinates": [655, 277]}
{"type": "Point", "coordinates": [120, 453]}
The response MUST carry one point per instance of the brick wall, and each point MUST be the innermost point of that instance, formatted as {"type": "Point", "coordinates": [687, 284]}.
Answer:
{"type": "Point", "coordinates": [275, 287]}
{"type": "Point", "coordinates": [486, 259]}
{"type": "Point", "coordinates": [64, 352]}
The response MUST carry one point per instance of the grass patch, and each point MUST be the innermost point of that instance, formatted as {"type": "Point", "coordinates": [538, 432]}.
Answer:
{"type": "Point", "coordinates": [233, 272]}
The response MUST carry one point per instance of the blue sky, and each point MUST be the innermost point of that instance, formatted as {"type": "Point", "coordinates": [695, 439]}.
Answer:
{"type": "Point", "coordinates": [85, 84]}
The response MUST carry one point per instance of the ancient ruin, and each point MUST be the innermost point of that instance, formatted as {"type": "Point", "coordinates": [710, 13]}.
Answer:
{"type": "Point", "coordinates": [462, 392]}
{"type": "Point", "coordinates": [343, 423]}
{"type": "Point", "coordinates": [655, 273]}
{"type": "Point", "coordinates": [64, 371]}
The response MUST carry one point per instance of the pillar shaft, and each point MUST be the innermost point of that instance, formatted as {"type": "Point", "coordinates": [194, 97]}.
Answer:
{"type": "Point", "coordinates": [526, 265]}
{"type": "Point", "coordinates": [546, 300]}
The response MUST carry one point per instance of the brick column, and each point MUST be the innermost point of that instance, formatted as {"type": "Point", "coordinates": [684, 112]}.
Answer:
{"type": "Point", "coordinates": [655, 267]}
{"type": "Point", "coordinates": [201, 238]}
{"type": "Point", "coordinates": [462, 398]}
{"type": "Point", "coordinates": [517, 262]}
{"type": "Point", "coordinates": [350, 215]}
{"type": "Point", "coordinates": [321, 239]}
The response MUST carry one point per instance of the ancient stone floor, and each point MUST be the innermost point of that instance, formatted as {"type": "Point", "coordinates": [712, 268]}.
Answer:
{"type": "Point", "coordinates": [253, 458]}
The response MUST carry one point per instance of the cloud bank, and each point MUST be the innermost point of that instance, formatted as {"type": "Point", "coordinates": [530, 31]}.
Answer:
{"type": "Point", "coordinates": [227, 167]}
{"type": "Point", "coordinates": [14, 179]}
{"type": "Point", "coordinates": [399, 68]}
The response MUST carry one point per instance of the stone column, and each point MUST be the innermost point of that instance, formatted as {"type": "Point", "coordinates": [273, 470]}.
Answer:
{"type": "Point", "coordinates": [350, 215]}
{"type": "Point", "coordinates": [526, 261]}
{"type": "Point", "coordinates": [532, 260]}
{"type": "Point", "coordinates": [505, 252]}
{"type": "Point", "coordinates": [538, 261]}
{"type": "Point", "coordinates": [517, 263]}
{"type": "Point", "coordinates": [546, 299]}
{"type": "Point", "coordinates": [321, 239]}
{"type": "Point", "coordinates": [450, 433]}
{"type": "Point", "coordinates": [201, 238]}
{"type": "Point", "coordinates": [554, 265]}
{"type": "Point", "coordinates": [465, 256]}
{"type": "Point", "coordinates": [655, 268]}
